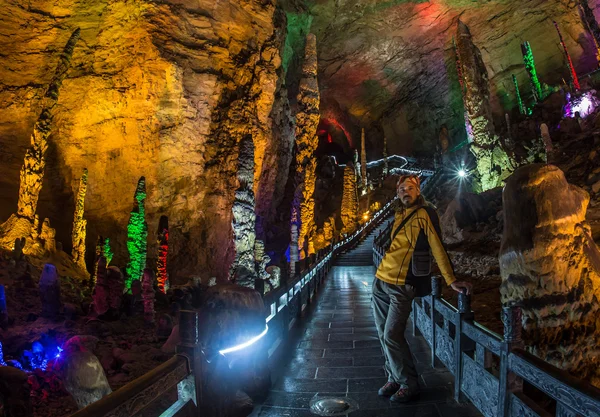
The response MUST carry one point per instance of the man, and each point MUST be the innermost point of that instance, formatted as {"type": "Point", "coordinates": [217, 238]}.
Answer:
{"type": "Point", "coordinates": [403, 275]}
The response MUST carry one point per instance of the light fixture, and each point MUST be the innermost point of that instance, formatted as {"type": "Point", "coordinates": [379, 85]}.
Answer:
{"type": "Point", "coordinates": [245, 344]}
{"type": "Point", "coordinates": [462, 173]}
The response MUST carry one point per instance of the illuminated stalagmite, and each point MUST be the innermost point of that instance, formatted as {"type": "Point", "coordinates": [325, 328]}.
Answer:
{"type": "Point", "coordinates": [137, 234]}
{"type": "Point", "coordinates": [550, 266]}
{"type": "Point", "coordinates": [349, 200]}
{"type": "Point", "coordinates": [363, 162]}
{"type": "Point", "coordinates": [23, 223]}
{"type": "Point", "coordinates": [162, 276]}
{"type": "Point", "coordinates": [492, 160]}
{"type": "Point", "coordinates": [243, 270]}
{"type": "Point", "coordinates": [307, 120]}
{"type": "Point", "coordinates": [79, 223]}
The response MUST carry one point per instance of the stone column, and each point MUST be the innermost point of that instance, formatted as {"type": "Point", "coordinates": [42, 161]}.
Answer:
{"type": "Point", "coordinates": [137, 235]}
{"type": "Point", "coordinates": [79, 223]}
{"type": "Point", "coordinates": [349, 200]}
{"type": "Point", "coordinates": [307, 120]}
{"type": "Point", "coordinates": [363, 162]}
{"type": "Point", "coordinates": [492, 161]}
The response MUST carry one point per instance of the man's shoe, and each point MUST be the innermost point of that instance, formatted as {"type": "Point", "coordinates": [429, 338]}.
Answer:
{"type": "Point", "coordinates": [388, 389]}
{"type": "Point", "coordinates": [404, 394]}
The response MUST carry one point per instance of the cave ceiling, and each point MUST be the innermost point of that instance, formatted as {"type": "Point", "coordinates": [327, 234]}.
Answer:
{"type": "Point", "coordinates": [389, 65]}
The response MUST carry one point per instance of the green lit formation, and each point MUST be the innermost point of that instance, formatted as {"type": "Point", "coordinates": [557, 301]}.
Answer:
{"type": "Point", "coordinates": [298, 26]}
{"type": "Point", "coordinates": [519, 100]}
{"type": "Point", "coordinates": [106, 251]}
{"type": "Point", "coordinates": [137, 233]}
{"type": "Point", "coordinates": [531, 71]}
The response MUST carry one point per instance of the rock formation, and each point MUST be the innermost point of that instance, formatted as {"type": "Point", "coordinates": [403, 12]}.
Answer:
{"type": "Point", "coordinates": [492, 161]}
{"type": "Point", "coordinates": [162, 275]}
{"type": "Point", "coordinates": [261, 259]}
{"type": "Point", "coordinates": [137, 234]}
{"type": "Point", "coordinates": [307, 121]}
{"type": "Point", "coordinates": [84, 378]}
{"type": "Point", "coordinates": [116, 284]}
{"type": "Point", "coordinates": [545, 132]}
{"type": "Point", "coordinates": [349, 211]}
{"type": "Point", "coordinates": [148, 295]}
{"type": "Point", "coordinates": [79, 223]}
{"type": "Point", "coordinates": [592, 25]}
{"type": "Point", "coordinates": [23, 223]}
{"type": "Point", "coordinates": [50, 292]}
{"type": "Point", "coordinates": [243, 270]}
{"type": "Point", "coordinates": [550, 266]}
{"type": "Point", "coordinates": [572, 71]}
{"type": "Point", "coordinates": [385, 157]}
{"type": "Point", "coordinates": [101, 292]}
{"type": "Point", "coordinates": [3, 309]}
{"type": "Point", "coordinates": [363, 162]}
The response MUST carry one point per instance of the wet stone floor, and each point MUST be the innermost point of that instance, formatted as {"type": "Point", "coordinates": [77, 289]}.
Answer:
{"type": "Point", "coordinates": [337, 354]}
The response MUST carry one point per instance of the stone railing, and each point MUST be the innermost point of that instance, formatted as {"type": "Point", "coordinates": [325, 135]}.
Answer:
{"type": "Point", "coordinates": [494, 373]}
{"type": "Point", "coordinates": [184, 372]}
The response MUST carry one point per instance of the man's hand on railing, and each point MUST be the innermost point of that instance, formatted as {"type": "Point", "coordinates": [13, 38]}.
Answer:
{"type": "Point", "coordinates": [462, 286]}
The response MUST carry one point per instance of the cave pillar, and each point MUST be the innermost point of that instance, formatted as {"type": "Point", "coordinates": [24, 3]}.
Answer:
{"type": "Point", "coordinates": [363, 162]}
{"type": "Point", "coordinates": [307, 120]}
{"type": "Point", "coordinates": [243, 269]}
{"type": "Point", "coordinates": [550, 266]}
{"type": "Point", "coordinates": [79, 223]}
{"type": "Point", "coordinates": [22, 224]}
{"type": "Point", "coordinates": [349, 210]}
{"type": "Point", "coordinates": [492, 160]}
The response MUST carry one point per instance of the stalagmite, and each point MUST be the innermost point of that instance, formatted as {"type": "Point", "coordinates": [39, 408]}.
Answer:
{"type": "Point", "coordinates": [592, 25]}
{"type": "Point", "coordinates": [137, 233]}
{"type": "Point", "coordinates": [294, 256]}
{"type": "Point", "coordinates": [261, 259]}
{"type": "Point", "coordinates": [243, 270]}
{"type": "Point", "coordinates": [79, 223]}
{"type": "Point", "coordinates": [550, 266]}
{"type": "Point", "coordinates": [116, 285]}
{"type": "Point", "coordinates": [385, 157]}
{"type": "Point", "coordinates": [547, 141]}
{"type": "Point", "coordinates": [349, 201]}
{"type": "Point", "coordinates": [163, 251]}
{"type": "Point", "coordinates": [20, 225]}
{"type": "Point", "coordinates": [492, 161]}
{"type": "Point", "coordinates": [363, 162]}
{"type": "Point", "coordinates": [307, 120]}
{"type": "Point", "coordinates": [536, 87]}
{"type": "Point", "coordinates": [572, 71]}
{"type": "Point", "coordinates": [101, 292]}
{"type": "Point", "coordinates": [148, 295]}
{"type": "Point", "coordinates": [3, 309]}
{"type": "Point", "coordinates": [50, 292]}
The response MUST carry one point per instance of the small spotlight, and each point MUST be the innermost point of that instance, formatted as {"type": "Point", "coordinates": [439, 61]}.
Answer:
{"type": "Point", "coordinates": [462, 173]}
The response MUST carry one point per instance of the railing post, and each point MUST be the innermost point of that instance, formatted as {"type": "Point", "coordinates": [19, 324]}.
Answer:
{"type": "Point", "coordinates": [436, 291]}
{"type": "Point", "coordinates": [511, 317]}
{"type": "Point", "coordinates": [189, 345]}
{"type": "Point", "coordinates": [464, 313]}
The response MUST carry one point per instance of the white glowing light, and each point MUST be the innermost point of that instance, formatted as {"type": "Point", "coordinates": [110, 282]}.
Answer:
{"type": "Point", "coordinates": [462, 173]}
{"type": "Point", "coordinates": [247, 343]}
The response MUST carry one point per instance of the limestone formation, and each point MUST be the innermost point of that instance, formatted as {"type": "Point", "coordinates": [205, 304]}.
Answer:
{"type": "Point", "coordinates": [492, 160]}
{"type": "Point", "coordinates": [274, 276]}
{"type": "Point", "coordinates": [148, 295]}
{"type": "Point", "coordinates": [20, 225]}
{"type": "Point", "coordinates": [363, 162]}
{"type": "Point", "coordinates": [163, 251]}
{"type": "Point", "coordinates": [550, 266]}
{"type": "Point", "coordinates": [101, 292]}
{"type": "Point", "coordinates": [137, 234]}
{"type": "Point", "coordinates": [592, 25]}
{"type": "Point", "coordinates": [116, 284]}
{"type": "Point", "coordinates": [307, 120]}
{"type": "Point", "coordinates": [349, 211]}
{"type": "Point", "coordinates": [15, 391]}
{"type": "Point", "coordinates": [243, 269]}
{"type": "Point", "coordinates": [261, 259]}
{"type": "Point", "coordinates": [294, 255]}
{"type": "Point", "coordinates": [547, 141]}
{"type": "Point", "coordinates": [385, 157]}
{"type": "Point", "coordinates": [79, 223]}
{"type": "Point", "coordinates": [3, 309]}
{"type": "Point", "coordinates": [50, 292]}
{"type": "Point", "coordinates": [84, 378]}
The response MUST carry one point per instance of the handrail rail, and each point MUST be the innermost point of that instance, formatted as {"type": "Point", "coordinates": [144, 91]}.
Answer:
{"type": "Point", "coordinates": [467, 353]}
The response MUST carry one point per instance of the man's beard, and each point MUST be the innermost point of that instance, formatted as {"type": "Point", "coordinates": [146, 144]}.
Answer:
{"type": "Point", "coordinates": [408, 203]}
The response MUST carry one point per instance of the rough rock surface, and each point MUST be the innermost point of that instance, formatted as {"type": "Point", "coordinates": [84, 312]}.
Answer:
{"type": "Point", "coordinates": [550, 266]}
{"type": "Point", "coordinates": [163, 90]}
{"type": "Point", "coordinates": [84, 378]}
{"type": "Point", "coordinates": [349, 211]}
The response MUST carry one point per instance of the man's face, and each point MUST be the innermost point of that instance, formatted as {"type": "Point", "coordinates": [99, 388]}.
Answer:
{"type": "Point", "coordinates": [408, 193]}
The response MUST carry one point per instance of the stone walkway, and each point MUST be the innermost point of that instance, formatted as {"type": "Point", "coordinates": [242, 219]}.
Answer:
{"type": "Point", "coordinates": [337, 354]}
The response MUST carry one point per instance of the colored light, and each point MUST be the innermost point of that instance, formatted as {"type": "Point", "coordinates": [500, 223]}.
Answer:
{"type": "Point", "coordinates": [530, 66]}
{"type": "Point", "coordinates": [462, 173]}
{"type": "Point", "coordinates": [245, 344]}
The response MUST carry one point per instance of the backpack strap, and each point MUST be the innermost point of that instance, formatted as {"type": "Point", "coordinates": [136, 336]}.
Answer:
{"type": "Point", "coordinates": [402, 224]}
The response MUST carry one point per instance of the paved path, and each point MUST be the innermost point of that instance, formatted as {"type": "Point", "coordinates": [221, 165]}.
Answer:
{"type": "Point", "coordinates": [337, 353]}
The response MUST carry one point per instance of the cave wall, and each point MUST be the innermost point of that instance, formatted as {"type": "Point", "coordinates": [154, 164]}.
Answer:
{"type": "Point", "coordinates": [164, 90]}
{"type": "Point", "coordinates": [392, 63]}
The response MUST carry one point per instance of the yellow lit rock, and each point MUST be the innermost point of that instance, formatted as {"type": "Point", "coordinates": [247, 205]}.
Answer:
{"type": "Point", "coordinates": [79, 223]}
{"type": "Point", "coordinates": [349, 200]}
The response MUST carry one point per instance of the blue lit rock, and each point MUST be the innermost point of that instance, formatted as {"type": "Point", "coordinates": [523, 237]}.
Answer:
{"type": "Point", "coordinates": [50, 292]}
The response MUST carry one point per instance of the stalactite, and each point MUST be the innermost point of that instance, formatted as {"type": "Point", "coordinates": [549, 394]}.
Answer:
{"type": "Point", "coordinates": [385, 157]}
{"type": "Point", "coordinates": [531, 71]}
{"type": "Point", "coordinates": [574, 78]}
{"type": "Point", "coordinates": [518, 94]}
{"type": "Point", "coordinates": [79, 223]}
{"type": "Point", "coordinates": [137, 233]}
{"type": "Point", "coordinates": [493, 163]}
{"type": "Point", "coordinates": [349, 200]}
{"type": "Point", "coordinates": [20, 225]}
{"type": "Point", "coordinates": [363, 162]}
{"type": "Point", "coordinates": [592, 25]}
{"type": "Point", "coordinates": [243, 270]}
{"type": "Point", "coordinates": [307, 120]}
{"type": "Point", "coordinates": [163, 250]}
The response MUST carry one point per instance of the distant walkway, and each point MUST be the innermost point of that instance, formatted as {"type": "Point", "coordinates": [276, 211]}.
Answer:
{"type": "Point", "coordinates": [337, 354]}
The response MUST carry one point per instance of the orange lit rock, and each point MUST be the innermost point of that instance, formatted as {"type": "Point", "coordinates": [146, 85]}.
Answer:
{"type": "Point", "coordinates": [349, 200]}
{"type": "Point", "coordinates": [307, 120]}
{"type": "Point", "coordinates": [79, 223]}
{"type": "Point", "coordinates": [550, 266]}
